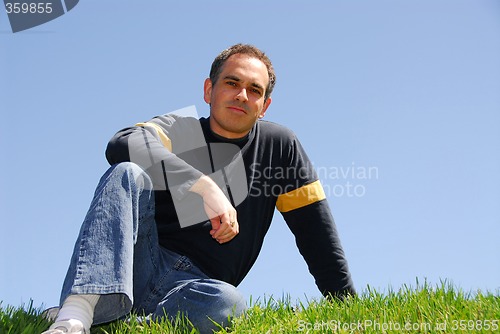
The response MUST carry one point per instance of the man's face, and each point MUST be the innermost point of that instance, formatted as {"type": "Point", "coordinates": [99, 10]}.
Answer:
{"type": "Point", "coordinates": [237, 98]}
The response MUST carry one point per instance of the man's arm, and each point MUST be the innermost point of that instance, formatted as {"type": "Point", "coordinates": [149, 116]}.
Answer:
{"type": "Point", "coordinates": [319, 243]}
{"type": "Point", "coordinates": [308, 215]}
{"type": "Point", "coordinates": [151, 148]}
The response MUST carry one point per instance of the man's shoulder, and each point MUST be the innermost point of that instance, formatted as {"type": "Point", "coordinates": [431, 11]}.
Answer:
{"type": "Point", "coordinates": [172, 119]}
{"type": "Point", "coordinates": [275, 130]}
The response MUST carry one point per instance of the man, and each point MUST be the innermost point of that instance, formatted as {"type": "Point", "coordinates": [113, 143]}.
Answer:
{"type": "Point", "coordinates": [179, 219]}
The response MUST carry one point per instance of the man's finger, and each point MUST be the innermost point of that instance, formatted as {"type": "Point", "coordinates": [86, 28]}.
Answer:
{"type": "Point", "coordinates": [226, 238]}
{"type": "Point", "coordinates": [224, 227]}
{"type": "Point", "coordinates": [226, 232]}
{"type": "Point", "coordinates": [215, 222]}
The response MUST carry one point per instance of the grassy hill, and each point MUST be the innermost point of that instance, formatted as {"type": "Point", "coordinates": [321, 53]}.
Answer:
{"type": "Point", "coordinates": [424, 309]}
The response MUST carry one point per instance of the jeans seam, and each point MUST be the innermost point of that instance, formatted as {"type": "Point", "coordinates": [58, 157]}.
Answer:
{"type": "Point", "coordinates": [155, 292]}
{"type": "Point", "coordinates": [81, 255]}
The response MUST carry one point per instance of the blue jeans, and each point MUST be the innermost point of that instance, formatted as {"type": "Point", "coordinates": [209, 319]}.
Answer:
{"type": "Point", "coordinates": [117, 256]}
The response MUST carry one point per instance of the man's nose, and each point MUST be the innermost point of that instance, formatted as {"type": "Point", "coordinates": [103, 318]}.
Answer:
{"type": "Point", "coordinates": [242, 95]}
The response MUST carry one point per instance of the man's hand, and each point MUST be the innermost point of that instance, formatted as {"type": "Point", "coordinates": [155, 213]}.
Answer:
{"type": "Point", "coordinates": [221, 213]}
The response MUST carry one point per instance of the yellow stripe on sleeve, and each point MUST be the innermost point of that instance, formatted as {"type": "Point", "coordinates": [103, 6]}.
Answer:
{"type": "Point", "coordinates": [163, 137]}
{"type": "Point", "coordinates": [300, 197]}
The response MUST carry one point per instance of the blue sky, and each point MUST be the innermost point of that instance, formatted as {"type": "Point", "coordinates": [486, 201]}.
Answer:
{"type": "Point", "coordinates": [396, 102]}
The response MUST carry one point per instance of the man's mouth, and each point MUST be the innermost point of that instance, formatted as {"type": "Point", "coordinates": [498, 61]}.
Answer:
{"type": "Point", "coordinates": [237, 109]}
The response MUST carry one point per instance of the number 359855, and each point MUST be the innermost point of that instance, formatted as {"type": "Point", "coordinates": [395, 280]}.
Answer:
{"type": "Point", "coordinates": [28, 8]}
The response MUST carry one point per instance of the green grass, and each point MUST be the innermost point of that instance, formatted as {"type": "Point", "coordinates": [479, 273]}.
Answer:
{"type": "Point", "coordinates": [423, 309]}
{"type": "Point", "coordinates": [21, 320]}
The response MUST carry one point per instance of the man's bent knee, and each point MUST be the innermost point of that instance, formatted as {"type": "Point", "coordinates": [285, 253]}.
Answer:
{"type": "Point", "coordinates": [208, 303]}
{"type": "Point", "coordinates": [132, 173]}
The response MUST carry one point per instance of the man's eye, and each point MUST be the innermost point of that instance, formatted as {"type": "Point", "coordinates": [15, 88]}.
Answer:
{"type": "Point", "coordinates": [230, 83]}
{"type": "Point", "coordinates": [256, 91]}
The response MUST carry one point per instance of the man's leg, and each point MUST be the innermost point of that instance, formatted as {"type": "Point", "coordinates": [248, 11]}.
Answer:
{"type": "Point", "coordinates": [178, 286]}
{"type": "Point", "coordinates": [120, 215]}
{"type": "Point", "coordinates": [203, 301]}
{"type": "Point", "coordinates": [117, 257]}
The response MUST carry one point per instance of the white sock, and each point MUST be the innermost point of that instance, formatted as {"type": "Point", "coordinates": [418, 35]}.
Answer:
{"type": "Point", "coordinates": [79, 307]}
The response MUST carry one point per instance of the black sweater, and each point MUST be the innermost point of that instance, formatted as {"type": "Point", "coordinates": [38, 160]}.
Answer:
{"type": "Point", "coordinates": [267, 169]}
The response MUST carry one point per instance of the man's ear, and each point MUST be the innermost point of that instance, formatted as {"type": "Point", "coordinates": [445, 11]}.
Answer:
{"type": "Point", "coordinates": [207, 90]}
{"type": "Point", "coordinates": [266, 105]}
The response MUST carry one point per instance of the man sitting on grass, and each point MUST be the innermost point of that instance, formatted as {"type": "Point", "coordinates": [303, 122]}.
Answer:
{"type": "Point", "coordinates": [180, 217]}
